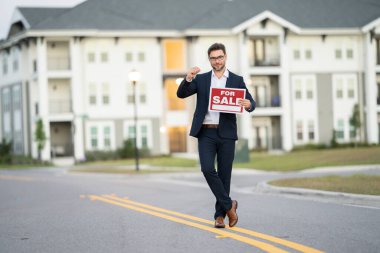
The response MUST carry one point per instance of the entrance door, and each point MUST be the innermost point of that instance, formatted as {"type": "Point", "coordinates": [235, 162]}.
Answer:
{"type": "Point", "coordinates": [177, 139]}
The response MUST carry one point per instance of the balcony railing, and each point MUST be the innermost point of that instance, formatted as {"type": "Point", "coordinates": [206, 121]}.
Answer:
{"type": "Point", "coordinates": [275, 101]}
{"type": "Point", "coordinates": [269, 61]}
{"type": "Point", "coordinates": [58, 63]}
{"type": "Point", "coordinates": [60, 106]}
{"type": "Point", "coordinates": [61, 150]}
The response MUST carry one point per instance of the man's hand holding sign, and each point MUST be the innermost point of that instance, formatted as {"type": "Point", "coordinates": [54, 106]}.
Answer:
{"type": "Point", "coordinates": [227, 98]}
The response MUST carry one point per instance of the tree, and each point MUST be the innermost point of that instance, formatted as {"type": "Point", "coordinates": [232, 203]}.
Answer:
{"type": "Point", "coordinates": [355, 121]}
{"type": "Point", "coordinates": [333, 142]}
{"type": "Point", "coordinates": [40, 137]}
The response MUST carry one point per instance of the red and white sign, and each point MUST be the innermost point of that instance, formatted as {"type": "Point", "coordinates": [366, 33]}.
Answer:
{"type": "Point", "coordinates": [226, 100]}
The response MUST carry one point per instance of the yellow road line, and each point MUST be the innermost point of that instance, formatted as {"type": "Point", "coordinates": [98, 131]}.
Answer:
{"type": "Point", "coordinates": [293, 245]}
{"type": "Point", "coordinates": [17, 178]}
{"type": "Point", "coordinates": [261, 245]}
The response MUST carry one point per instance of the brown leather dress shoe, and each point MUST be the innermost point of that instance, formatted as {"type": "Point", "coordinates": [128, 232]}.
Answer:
{"type": "Point", "coordinates": [232, 215]}
{"type": "Point", "coordinates": [219, 222]}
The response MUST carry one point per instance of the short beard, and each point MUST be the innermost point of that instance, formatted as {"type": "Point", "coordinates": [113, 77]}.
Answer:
{"type": "Point", "coordinates": [221, 68]}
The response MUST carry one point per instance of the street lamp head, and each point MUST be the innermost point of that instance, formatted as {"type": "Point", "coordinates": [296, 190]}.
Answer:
{"type": "Point", "coordinates": [134, 76]}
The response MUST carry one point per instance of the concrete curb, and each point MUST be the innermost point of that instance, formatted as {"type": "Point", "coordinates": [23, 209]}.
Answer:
{"type": "Point", "coordinates": [265, 187]}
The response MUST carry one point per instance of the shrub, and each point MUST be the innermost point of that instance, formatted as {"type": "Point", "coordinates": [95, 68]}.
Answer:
{"type": "Point", "coordinates": [128, 150]}
{"type": "Point", "coordinates": [101, 155]}
{"type": "Point", "coordinates": [310, 147]}
{"type": "Point", "coordinates": [5, 152]}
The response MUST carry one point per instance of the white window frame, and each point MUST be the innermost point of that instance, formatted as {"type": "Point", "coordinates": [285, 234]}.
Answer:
{"type": "Point", "coordinates": [100, 125]}
{"type": "Point", "coordinates": [140, 123]}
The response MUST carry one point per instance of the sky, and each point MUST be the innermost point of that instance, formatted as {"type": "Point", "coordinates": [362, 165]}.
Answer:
{"type": "Point", "coordinates": [7, 8]}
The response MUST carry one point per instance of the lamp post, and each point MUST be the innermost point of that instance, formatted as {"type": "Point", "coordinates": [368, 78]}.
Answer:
{"type": "Point", "coordinates": [134, 77]}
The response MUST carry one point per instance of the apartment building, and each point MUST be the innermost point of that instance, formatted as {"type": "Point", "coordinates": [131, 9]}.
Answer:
{"type": "Point", "coordinates": [307, 64]}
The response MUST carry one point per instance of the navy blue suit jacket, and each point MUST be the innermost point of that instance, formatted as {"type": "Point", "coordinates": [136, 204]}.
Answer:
{"type": "Point", "coordinates": [201, 86]}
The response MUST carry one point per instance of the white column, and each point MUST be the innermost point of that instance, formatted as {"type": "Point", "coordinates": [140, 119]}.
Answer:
{"type": "Point", "coordinates": [246, 119]}
{"type": "Point", "coordinates": [78, 98]}
{"type": "Point", "coordinates": [370, 92]}
{"type": "Point", "coordinates": [164, 131]}
{"type": "Point", "coordinates": [43, 95]}
{"type": "Point", "coordinates": [286, 122]}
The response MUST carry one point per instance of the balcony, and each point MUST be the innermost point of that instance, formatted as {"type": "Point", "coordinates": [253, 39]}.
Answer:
{"type": "Point", "coordinates": [266, 133]}
{"type": "Point", "coordinates": [58, 55]}
{"type": "Point", "coordinates": [264, 51]}
{"type": "Point", "coordinates": [58, 106]}
{"type": "Point", "coordinates": [58, 63]}
{"type": "Point", "coordinates": [265, 91]}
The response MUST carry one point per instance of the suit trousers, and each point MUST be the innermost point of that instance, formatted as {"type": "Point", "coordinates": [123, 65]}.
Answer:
{"type": "Point", "coordinates": [211, 146]}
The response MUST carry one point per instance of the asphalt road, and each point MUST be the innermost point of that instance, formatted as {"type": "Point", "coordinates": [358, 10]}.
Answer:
{"type": "Point", "coordinates": [53, 210]}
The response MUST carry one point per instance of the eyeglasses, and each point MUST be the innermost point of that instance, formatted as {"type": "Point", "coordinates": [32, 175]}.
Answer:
{"type": "Point", "coordinates": [218, 58]}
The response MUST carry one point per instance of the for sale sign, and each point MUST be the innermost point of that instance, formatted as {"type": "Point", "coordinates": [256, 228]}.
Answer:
{"type": "Point", "coordinates": [226, 100]}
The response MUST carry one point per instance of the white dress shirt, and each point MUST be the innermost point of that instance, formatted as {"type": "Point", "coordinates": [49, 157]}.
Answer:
{"type": "Point", "coordinates": [213, 117]}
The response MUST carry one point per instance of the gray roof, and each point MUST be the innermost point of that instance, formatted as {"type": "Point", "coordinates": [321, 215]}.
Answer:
{"type": "Point", "coordinates": [200, 14]}
{"type": "Point", "coordinates": [36, 15]}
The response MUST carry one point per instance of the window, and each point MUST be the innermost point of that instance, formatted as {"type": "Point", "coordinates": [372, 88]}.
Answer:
{"type": "Point", "coordinates": [130, 97]}
{"type": "Point", "coordinates": [350, 88]}
{"type": "Point", "coordinates": [340, 130]}
{"type": "Point", "coordinates": [131, 133]}
{"type": "Point", "coordinates": [299, 130]}
{"type": "Point", "coordinates": [92, 98]}
{"type": "Point", "coordinates": [142, 88]}
{"type": "Point", "coordinates": [104, 57]}
{"type": "Point", "coordinates": [308, 54]}
{"type": "Point", "coordinates": [5, 65]}
{"type": "Point", "coordinates": [298, 89]}
{"type": "Point", "coordinates": [94, 137]}
{"type": "Point", "coordinates": [174, 54]}
{"type": "Point", "coordinates": [311, 130]}
{"type": "Point", "coordinates": [339, 88]}
{"type": "Point", "coordinates": [338, 54]}
{"type": "Point", "coordinates": [106, 94]}
{"type": "Point", "coordinates": [309, 89]}
{"type": "Point", "coordinates": [36, 110]}
{"type": "Point", "coordinates": [34, 66]}
{"type": "Point", "coordinates": [144, 136]}
{"type": "Point", "coordinates": [16, 98]}
{"type": "Point", "coordinates": [296, 54]}
{"type": "Point", "coordinates": [91, 57]}
{"type": "Point", "coordinates": [141, 56]}
{"type": "Point", "coordinates": [6, 100]}
{"type": "Point", "coordinates": [15, 61]}
{"type": "Point", "coordinates": [107, 137]}
{"type": "Point", "coordinates": [128, 57]}
{"type": "Point", "coordinates": [143, 133]}
{"type": "Point", "coordinates": [350, 54]}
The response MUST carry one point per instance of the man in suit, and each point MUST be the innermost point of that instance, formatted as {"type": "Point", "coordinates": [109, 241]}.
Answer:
{"type": "Point", "coordinates": [216, 132]}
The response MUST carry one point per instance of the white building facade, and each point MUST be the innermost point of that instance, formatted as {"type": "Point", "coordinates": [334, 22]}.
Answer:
{"type": "Point", "coordinates": [305, 81]}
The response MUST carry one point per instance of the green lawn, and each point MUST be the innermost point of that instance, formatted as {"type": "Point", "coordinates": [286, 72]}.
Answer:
{"type": "Point", "coordinates": [358, 184]}
{"type": "Point", "coordinates": [159, 161]}
{"type": "Point", "coordinates": [299, 160]}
